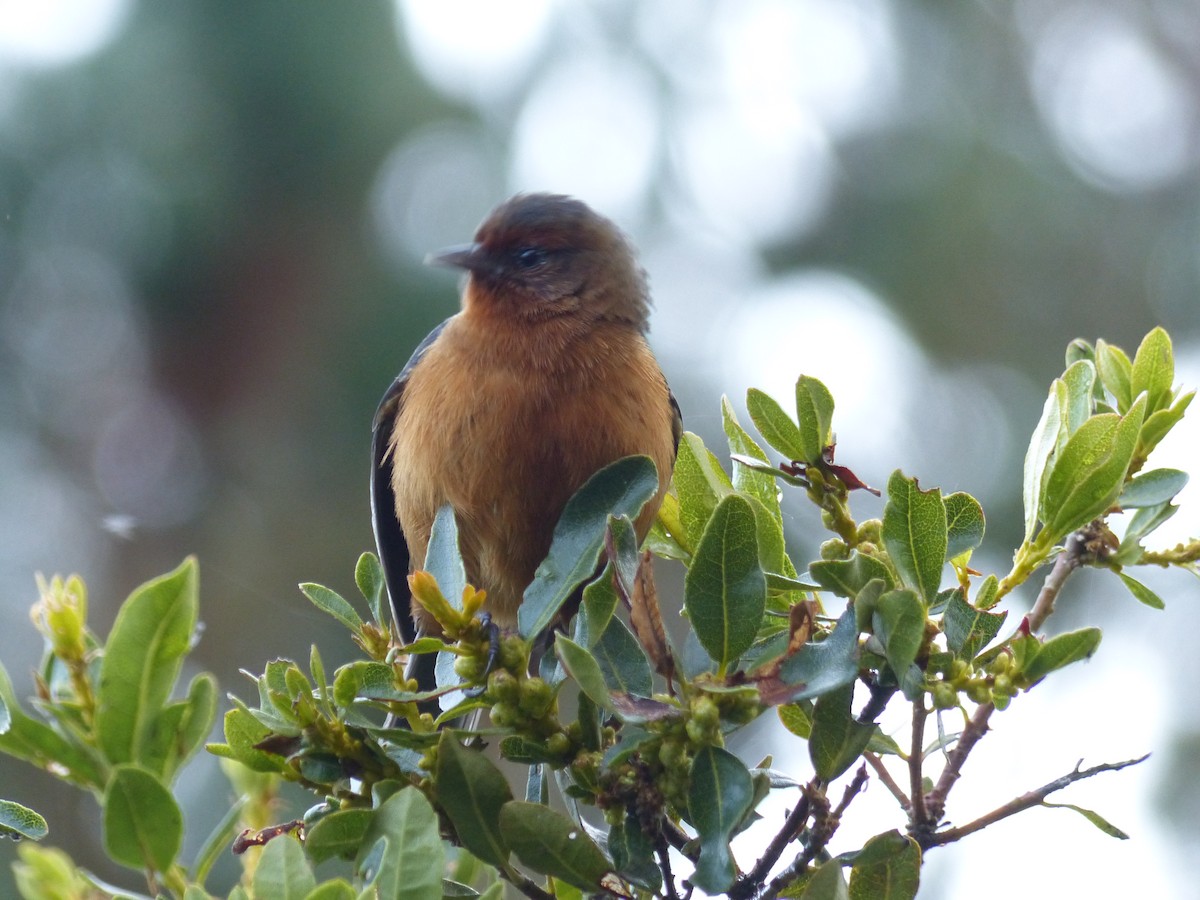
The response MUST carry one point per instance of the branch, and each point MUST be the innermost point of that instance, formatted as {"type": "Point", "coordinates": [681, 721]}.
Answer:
{"type": "Point", "coordinates": [886, 777]}
{"type": "Point", "coordinates": [976, 728]}
{"type": "Point", "coordinates": [748, 886]}
{"type": "Point", "coordinates": [1067, 562]}
{"type": "Point", "coordinates": [824, 827]}
{"type": "Point", "coordinates": [1022, 803]}
{"type": "Point", "coordinates": [525, 885]}
{"type": "Point", "coordinates": [919, 820]}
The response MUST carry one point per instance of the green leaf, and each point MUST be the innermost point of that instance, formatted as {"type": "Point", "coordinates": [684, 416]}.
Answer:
{"type": "Point", "coordinates": [969, 630]}
{"type": "Point", "coordinates": [814, 411]}
{"type": "Point", "coordinates": [1061, 650]}
{"type": "Point", "coordinates": [1076, 406]}
{"type": "Point", "coordinates": [622, 661]}
{"type": "Point", "coordinates": [887, 868]}
{"type": "Point", "coordinates": [1142, 593]}
{"type": "Point", "coordinates": [338, 889]}
{"type": "Point", "coordinates": [821, 667]}
{"type": "Point", "coordinates": [442, 557]}
{"type": "Point", "coordinates": [1089, 473]}
{"type": "Point", "coordinates": [700, 483]}
{"type": "Point", "coordinates": [1152, 488]}
{"type": "Point", "coordinates": [964, 524]}
{"type": "Point", "coordinates": [143, 827]}
{"type": "Point", "coordinates": [145, 650]}
{"type": "Point", "coordinates": [915, 534]}
{"type": "Point", "coordinates": [242, 733]}
{"type": "Point", "coordinates": [472, 791]}
{"type": "Point", "coordinates": [837, 740]}
{"type": "Point", "coordinates": [746, 479]}
{"type": "Point", "coordinates": [1094, 817]}
{"type": "Point", "coordinates": [411, 865]}
{"type": "Point", "coordinates": [339, 834]}
{"type": "Point", "coordinates": [633, 854]}
{"type": "Point", "coordinates": [826, 883]}
{"type": "Point", "coordinates": [368, 575]}
{"type": "Point", "coordinates": [1037, 458]}
{"type": "Point", "coordinates": [899, 622]}
{"type": "Point", "coordinates": [1158, 423]}
{"type": "Point", "coordinates": [725, 592]}
{"type": "Point", "coordinates": [721, 794]}
{"type": "Point", "coordinates": [1116, 373]}
{"type": "Point", "coordinates": [17, 821]}
{"type": "Point", "coordinates": [775, 425]}
{"type": "Point", "coordinates": [620, 488]}
{"type": "Point", "coordinates": [282, 872]}
{"type": "Point", "coordinates": [37, 743]}
{"type": "Point", "coordinates": [582, 667]}
{"type": "Point", "coordinates": [599, 603]}
{"type": "Point", "coordinates": [846, 577]}
{"type": "Point", "coordinates": [1153, 370]}
{"type": "Point", "coordinates": [333, 603]}
{"type": "Point", "coordinates": [553, 844]}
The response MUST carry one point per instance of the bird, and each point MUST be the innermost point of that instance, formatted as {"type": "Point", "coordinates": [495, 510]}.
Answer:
{"type": "Point", "coordinates": [505, 409]}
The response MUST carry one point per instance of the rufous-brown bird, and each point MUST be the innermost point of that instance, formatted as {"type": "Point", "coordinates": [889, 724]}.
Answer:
{"type": "Point", "coordinates": [508, 407]}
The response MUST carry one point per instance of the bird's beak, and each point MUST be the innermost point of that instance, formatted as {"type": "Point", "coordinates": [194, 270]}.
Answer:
{"type": "Point", "coordinates": [462, 256]}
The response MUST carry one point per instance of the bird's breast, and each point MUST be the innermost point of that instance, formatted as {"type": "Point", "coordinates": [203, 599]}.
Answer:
{"type": "Point", "coordinates": [507, 435]}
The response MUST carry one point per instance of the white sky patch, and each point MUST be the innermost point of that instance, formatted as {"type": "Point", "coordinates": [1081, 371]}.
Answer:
{"type": "Point", "coordinates": [57, 32]}
{"type": "Point", "coordinates": [474, 49]}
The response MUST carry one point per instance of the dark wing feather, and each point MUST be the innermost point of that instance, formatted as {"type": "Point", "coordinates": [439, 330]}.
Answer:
{"type": "Point", "coordinates": [389, 538]}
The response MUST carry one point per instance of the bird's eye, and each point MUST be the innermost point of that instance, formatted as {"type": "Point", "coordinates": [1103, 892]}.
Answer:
{"type": "Point", "coordinates": [530, 257]}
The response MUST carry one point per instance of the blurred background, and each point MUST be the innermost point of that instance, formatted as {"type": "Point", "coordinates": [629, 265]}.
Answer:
{"type": "Point", "coordinates": [212, 221]}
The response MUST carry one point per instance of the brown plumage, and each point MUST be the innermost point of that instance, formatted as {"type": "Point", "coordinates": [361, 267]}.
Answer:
{"type": "Point", "coordinates": [508, 407]}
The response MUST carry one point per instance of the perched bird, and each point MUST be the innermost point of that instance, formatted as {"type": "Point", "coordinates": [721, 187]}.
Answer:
{"type": "Point", "coordinates": [508, 407]}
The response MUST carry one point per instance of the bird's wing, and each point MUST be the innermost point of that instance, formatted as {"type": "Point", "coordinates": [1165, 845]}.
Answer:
{"type": "Point", "coordinates": [389, 538]}
{"type": "Point", "coordinates": [676, 417]}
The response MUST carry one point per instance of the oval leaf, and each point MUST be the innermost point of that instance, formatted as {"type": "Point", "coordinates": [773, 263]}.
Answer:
{"type": "Point", "coordinates": [719, 797]}
{"type": "Point", "coordinates": [887, 868]}
{"type": "Point", "coordinates": [582, 667]}
{"type": "Point", "coordinates": [17, 821]}
{"type": "Point", "coordinates": [282, 872]}
{"type": "Point", "coordinates": [620, 488]}
{"type": "Point", "coordinates": [443, 560]}
{"type": "Point", "coordinates": [915, 534]}
{"type": "Point", "coordinates": [1153, 370]}
{"type": "Point", "coordinates": [143, 827]}
{"type": "Point", "coordinates": [1088, 475]}
{"type": "Point", "coordinates": [837, 739]}
{"type": "Point", "coordinates": [725, 591]}
{"type": "Point", "coordinates": [699, 482]}
{"type": "Point", "coordinates": [774, 424]}
{"type": "Point", "coordinates": [1152, 488]}
{"type": "Point", "coordinates": [550, 843]}
{"type": "Point", "coordinates": [333, 603]}
{"type": "Point", "coordinates": [814, 410]}
{"type": "Point", "coordinates": [1062, 650]}
{"type": "Point", "coordinates": [145, 650]}
{"type": "Point", "coordinates": [472, 791]}
{"type": "Point", "coordinates": [412, 862]}
{"type": "Point", "coordinates": [964, 524]}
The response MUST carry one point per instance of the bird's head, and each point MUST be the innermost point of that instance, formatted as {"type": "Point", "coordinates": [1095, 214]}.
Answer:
{"type": "Point", "coordinates": [546, 255]}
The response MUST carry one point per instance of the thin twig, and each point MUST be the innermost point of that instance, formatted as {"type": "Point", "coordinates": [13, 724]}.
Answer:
{"type": "Point", "coordinates": [525, 885]}
{"type": "Point", "coordinates": [1022, 803]}
{"type": "Point", "coordinates": [976, 728]}
{"type": "Point", "coordinates": [1067, 562]}
{"type": "Point", "coordinates": [678, 838]}
{"type": "Point", "coordinates": [888, 782]}
{"type": "Point", "coordinates": [749, 884]}
{"type": "Point", "coordinates": [824, 827]}
{"type": "Point", "coordinates": [918, 815]}
{"type": "Point", "coordinates": [880, 695]}
{"type": "Point", "coordinates": [664, 863]}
